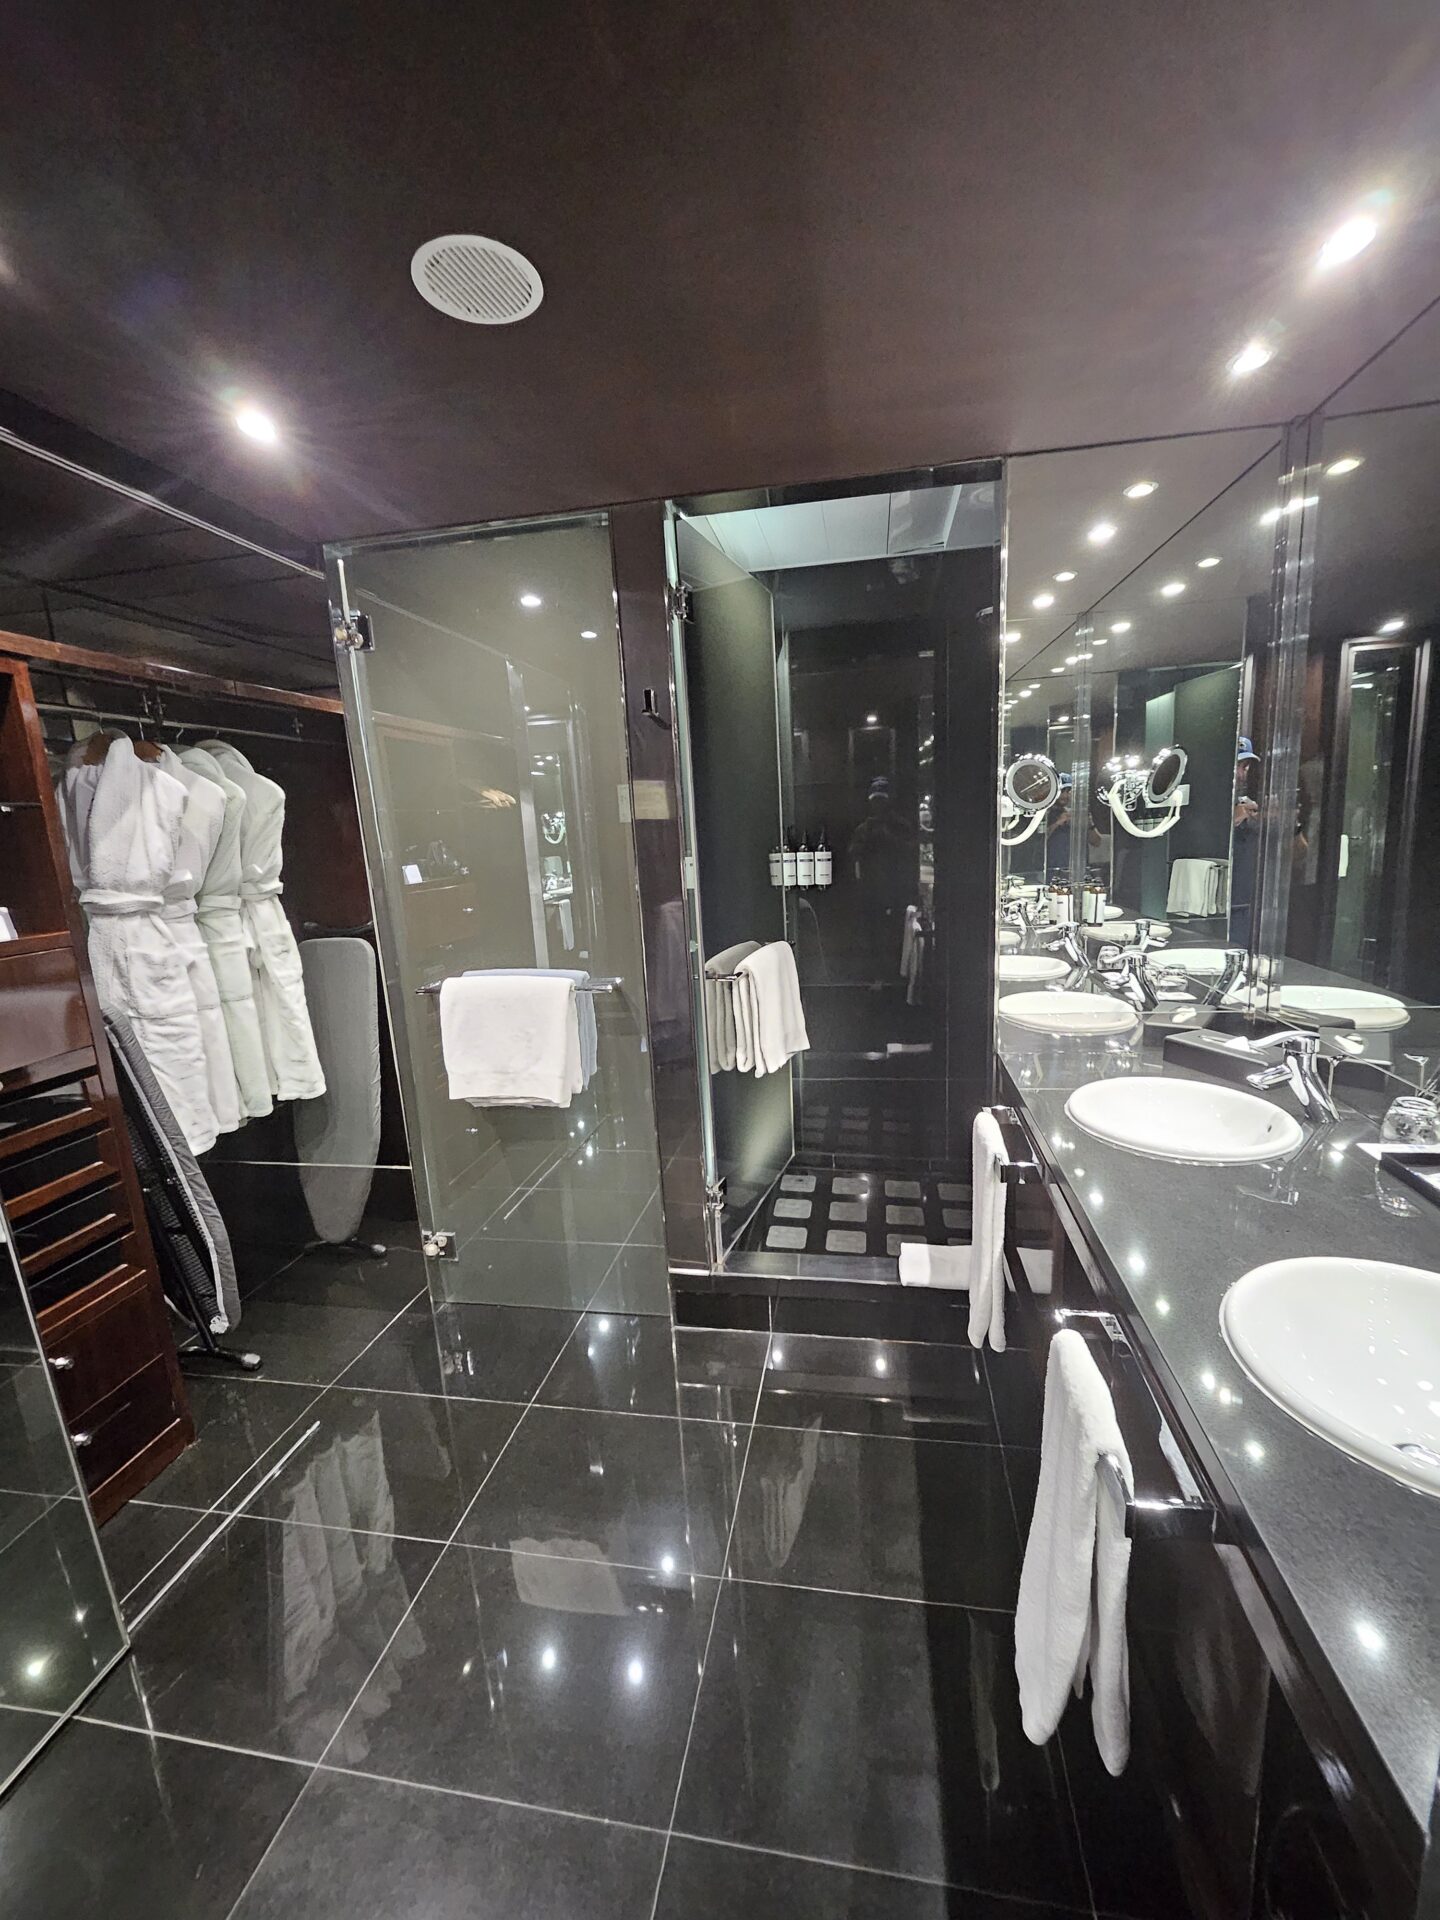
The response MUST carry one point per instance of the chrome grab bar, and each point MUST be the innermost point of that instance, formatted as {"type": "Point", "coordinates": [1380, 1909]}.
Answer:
{"type": "Point", "coordinates": [611, 985]}
{"type": "Point", "coordinates": [1186, 1516]}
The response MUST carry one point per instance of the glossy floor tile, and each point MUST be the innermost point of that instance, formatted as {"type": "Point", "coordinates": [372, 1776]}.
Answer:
{"type": "Point", "coordinates": [637, 1363]}
{"type": "Point", "coordinates": [136, 1539]}
{"type": "Point", "coordinates": [636, 1281]}
{"type": "Point", "coordinates": [268, 1639]}
{"type": "Point", "coordinates": [388, 1462]}
{"type": "Point", "coordinates": [1017, 1389]}
{"type": "Point", "coordinates": [236, 1421]}
{"type": "Point", "coordinates": [533, 1275]}
{"type": "Point", "coordinates": [358, 1847]}
{"type": "Point", "coordinates": [617, 1487]}
{"type": "Point", "coordinates": [19, 1511]}
{"type": "Point", "coordinates": [874, 1733]}
{"type": "Point", "coordinates": [474, 1352]}
{"type": "Point", "coordinates": [706, 1881]}
{"type": "Point", "coordinates": [21, 1733]}
{"type": "Point", "coordinates": [58, 1628]}
{"type": "Point", "coordinates": [908, 1518]}
{"type": "Point", "coordinates": [560, 1683]}
{"type": "Point", "coordinates": [876, 1386]}
{"type": "Point", "coordinates": [345, 1277]}
{"type": "Point", "coordinates": [116, 1823]}
{"type": "Point", "coordinates": [305, 1342]}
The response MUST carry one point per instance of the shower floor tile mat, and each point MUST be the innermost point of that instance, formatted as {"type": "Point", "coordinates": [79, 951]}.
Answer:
{"type": "Point", "coordinates": [860, 1213]}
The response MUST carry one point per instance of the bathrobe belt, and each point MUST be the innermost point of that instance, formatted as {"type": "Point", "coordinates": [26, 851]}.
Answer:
{"type": "Point", "coordinates": [105, 901]}
{"type": "Point", "coordinates": [260, 889]}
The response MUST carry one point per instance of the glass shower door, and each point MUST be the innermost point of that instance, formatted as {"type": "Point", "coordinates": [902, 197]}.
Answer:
{"type": "Point", "coordinates": [60, 1629]}
{"type": "Point", "coordinates": [486, 727]}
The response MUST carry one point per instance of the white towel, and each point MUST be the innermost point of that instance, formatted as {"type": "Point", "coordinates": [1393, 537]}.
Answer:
{"type": "Point", "coordinates": [1070, 1617]}
{"type": "Point", "coordinates": [720, 1004]}
{"type": "Point", "coordinates": [768, 1009]}
{"type": "Point", "coordinates": [987, 1234]}
{"type": "Point", "coordinates": [925, 1266]}
{"type": "Point", "coordinates": [584, 1008]}
{"type": "Point", "coordinates": [511, 1039]}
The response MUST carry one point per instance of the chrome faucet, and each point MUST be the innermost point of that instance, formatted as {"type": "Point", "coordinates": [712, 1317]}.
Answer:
{"type": "Point", "coordinates": [1299, 1065]}
{"type": "Point", "coordinates": [1123, 970]}
{"type": "Point", "coordinates": [1066, 942]}
{"type": "Point", "coordinates": [1232, 972]}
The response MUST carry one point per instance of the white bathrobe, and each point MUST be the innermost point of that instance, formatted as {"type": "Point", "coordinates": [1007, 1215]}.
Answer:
{"type": "Point", "coordinates": [122, 820]}
{"type": "Point", "coordinates": [223, 930]}
{"type": "Point", "coordinates": [200, 828]}
{"type": "Point", "coordinates": [294, 1065]}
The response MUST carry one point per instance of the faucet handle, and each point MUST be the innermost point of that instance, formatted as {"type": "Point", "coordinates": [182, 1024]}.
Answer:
{"type": "Point", "coordinates": [1290, 1040]}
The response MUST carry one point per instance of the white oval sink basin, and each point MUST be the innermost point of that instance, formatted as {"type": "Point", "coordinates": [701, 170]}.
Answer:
{"type": "Point", "coordinates": [1031, 966]}
{"type": "Point", "coordinates": [1350, 1348]}
{"type": "Point", "coordinates": [1371, 1012]}
{"type": "Point", "coordinates": [1184, 1120]}
{"type": "Point", "coordinates": [1007, 937]}
{"type": "Point", "coordinates": [1069, 1013]}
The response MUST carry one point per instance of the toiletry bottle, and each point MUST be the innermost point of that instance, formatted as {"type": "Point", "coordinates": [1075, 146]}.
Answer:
{"type": "Point", "coordinates": [805, 863]}
{"type": "Point", "coordinates": [777, 866]}
{"type": "Point", "coordinates": [788, 864]}
{"type": "Point", "coordinates": [823, 858]}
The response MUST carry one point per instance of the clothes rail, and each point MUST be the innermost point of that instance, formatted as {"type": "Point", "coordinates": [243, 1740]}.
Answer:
{"type": "Point", "coordinates": [149, 722]}
{"type": "Point", "coordinates": [611, 985]}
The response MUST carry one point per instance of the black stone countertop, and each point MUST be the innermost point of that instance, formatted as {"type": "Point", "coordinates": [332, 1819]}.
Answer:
{"type": "Point", "coordinates": [1350, 1559]}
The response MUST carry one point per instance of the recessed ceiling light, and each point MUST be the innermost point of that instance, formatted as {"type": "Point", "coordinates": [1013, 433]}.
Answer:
{"type": "Point", "coordinates": [1024, 693]}
{"type": "Point", "coordinates": [1251, 357]}
{"type": "Point", "coordinates": [1101, 533]}
{"type": "Point", "coordinates": [588, 633]}
{"type": "Point", "coordinates": [1060, 720]}
{"type": "Point", "coordinates": [1293, 505]}
{"type": "Point", "coordinates": [1347, 463]}
{"type": "Point", "coordinates": [1349, 238]}
{"type": "Point", "coordinates": [1064, 575]}
{"type": "Point", "coordinates": [1172, 587]}
{"type": "Point", "coordinates": [1120, 626]}
{"type": "Point", "coordinates": [1210, 560]}
{"type": "Point", "coordinates": [1011, 638]}
{"type": "Point", "coordinates": [531, 600]}
{"type": "Point", "coordinates": [1071, 659]}
{"type": "Point", "coordinates": [1057, 669]}
{"type": "Point", "coordinates": [1395, 625]}
{"type": "Point", "coordinates": [1141, 489]}
{"type": "Point", "coordinates": [1100, 640]}
{"type": "Point", "coordinates": [871, 719]}
{"type": "Point", "coordinates": [1083, 656]}
{"type": "Point", "coordinates": [256, 424]}
{"type": "Point", "coordinates": [1043, 600]}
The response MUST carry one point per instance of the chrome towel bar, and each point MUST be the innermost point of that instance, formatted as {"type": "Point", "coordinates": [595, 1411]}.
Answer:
{"type": "Point", "coordinates": [611, 985]}
{"type": "Point", "coordinates": [1021, 1165]}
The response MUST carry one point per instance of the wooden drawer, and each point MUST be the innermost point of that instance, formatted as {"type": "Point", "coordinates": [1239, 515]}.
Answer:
{"type": "Point", "coordinates": [54, 1235]}
{"type": "Point", "coordinates": [42, 1009]}
{"type": "Point", "coordinates": [94, 1353]}
{"type": "Point", "coordinates": [55, 1170]}
{"type": "Point", "coordinates": [110, 1434]}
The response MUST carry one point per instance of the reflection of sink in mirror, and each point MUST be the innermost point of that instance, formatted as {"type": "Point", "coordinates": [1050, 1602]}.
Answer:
{"type": "Point", "coordinates": [1351, 1348]}
{"type": "Point", "coordinates": [1371, 1012]}
{"type": "Point", "coordinates": [1068, 1013]}
{"type": "Point", "coordinates": [1007, 939]}
{"type": "Point", "coordinates": [1205, 961]}
{"type": "Point", "coordinates": [1184, 1120]}
{"type": "Point", "coordinates": [1031, 966]}
{"type": "Point", "coordinates": [1122, 932]}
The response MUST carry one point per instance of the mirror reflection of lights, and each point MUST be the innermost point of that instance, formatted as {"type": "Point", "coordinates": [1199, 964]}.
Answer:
{"type": "Point", "coordinates": [1172, 588]}
{"type": "Point", "coordinates": [1352, 236]}
{"type": "Point", "coordinates": [603, 1323]}
{"type": "Point", "coordinates": [667, 1563]}
{"type": "Point", "coordinates": [635, 1673]}
{"type": "Point", "coordinates": [882, 1365]}
{"type": "Point", "coordinates": [1347, 463]}
{"type": "Point", "coordinates": [1254, 1450]}
{"type": "Point", "coordinates": [1369, 1636]}
{"type": "Point", "coordinates": [1120, 626]}
{"type": "Point", "coordinates": [1210, 560]}
{"type": "Point", "coordinates": [1207, 1380]}
{"type": "Point", "coordinates": [1064, 576]}
{"type": "Point", "coordinates": [1102, 533]}
{"type": "Point", "coordinates": [1162, 1306]}
{"type": "Point", "coordinates": [1393, 625]}
{"type": "Point", "coordinates": [531, 600]}
{"type": "Point", "coordinates": [1136, 1263]}
{"type": "Point", "coordinates": [1295, 505]}
{"type": "Point", "coordinates": [777, 1356]}
{"type": "Point", "coordinates": [1042, 601]}
{"type": "Point", "coordinates": [549, 1659]}
{"type": "Point", "coordinates": [1251, 357]}
{"type": "Point", "coordinates": [1141, 489]}
{"type": "Point", "coordinates": [34, 1669]}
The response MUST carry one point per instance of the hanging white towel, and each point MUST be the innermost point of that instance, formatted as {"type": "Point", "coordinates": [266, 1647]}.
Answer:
{"type": "Point", "coordinates": [767, 1002]}
{"type": "Point", "coordinates": [1070, 1616]}
{"type": "Point", "coordinates": [223, 930]}
{"type": "Point", "coordinates": [927, 1266]}
{"type": "Point", "coordinates": [720, 1004]}
{"type": "Point", "coordinates": [987, 1234]}
{"type": "Point", "coordinates": [511, 1039]}
{"type": "Point", "coordinates": [584, 1009]}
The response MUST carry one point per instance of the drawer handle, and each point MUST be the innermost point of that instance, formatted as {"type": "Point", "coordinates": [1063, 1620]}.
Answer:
{"type": "Point", "coordinates": [62, 1362]}
{"type": "Point", "coordinates": [81, 1439]}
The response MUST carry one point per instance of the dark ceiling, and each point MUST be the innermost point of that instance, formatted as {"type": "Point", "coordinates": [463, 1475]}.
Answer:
{"type": "Point", "coordinates": [779, 241]}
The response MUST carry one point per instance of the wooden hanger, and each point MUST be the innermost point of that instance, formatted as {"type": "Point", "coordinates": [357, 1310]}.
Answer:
{"type": "Point", "coordinates": [99, 744]}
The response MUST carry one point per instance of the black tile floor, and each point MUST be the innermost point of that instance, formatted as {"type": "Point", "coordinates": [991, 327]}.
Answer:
{"type": "Point", "coordinates": [682, 1624]}
{"type": "Point", "coordinates": [872, 1214]}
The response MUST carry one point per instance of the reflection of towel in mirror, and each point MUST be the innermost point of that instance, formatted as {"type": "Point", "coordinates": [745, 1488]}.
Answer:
{"type": "Point", "coordinates": [720, 1003]}
{"type": "Point", "coordinates": [569, 1576]}
{"type": "Point", "coordinates": [769, 1018]}
{"type": "Point", "coordinates": [912, 957]}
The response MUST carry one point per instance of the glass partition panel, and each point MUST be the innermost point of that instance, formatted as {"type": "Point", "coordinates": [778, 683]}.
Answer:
{"type": "Point", "coordinates": [60, 1629]}
{"type": "Point", "coordinates": [487, 728]}
{"type": "Point", "coordinates": [1362, 934]}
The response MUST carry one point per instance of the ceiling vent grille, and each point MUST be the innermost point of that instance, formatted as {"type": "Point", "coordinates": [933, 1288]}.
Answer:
{"type": "Point", "coordinates": [471, 278]}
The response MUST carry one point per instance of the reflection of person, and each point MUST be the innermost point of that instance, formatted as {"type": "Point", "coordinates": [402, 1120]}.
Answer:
{"type": "Point", "coordinates": [1057, 840]}
{"type": "Point", "coordinates": [1244, 845]}
{"type": "Point", "coordinates": [883, 850]}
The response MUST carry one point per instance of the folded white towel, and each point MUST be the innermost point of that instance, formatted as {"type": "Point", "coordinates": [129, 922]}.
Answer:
{"type": "Point", "coordinates": [511, 1039]}
{"type": "Point", "coordinates": [720, 1004]}
{"type": "Point", "coordinates": [925, 1266]}
{"type": "Point", "coordinates": [1070, 1616]}
{"type": "Point", "coordinates": [767, 1003]}
{"type": "Point", "coordinates": [987, 1234]}
{"type": "Point", "coordinates": [584, 1007]}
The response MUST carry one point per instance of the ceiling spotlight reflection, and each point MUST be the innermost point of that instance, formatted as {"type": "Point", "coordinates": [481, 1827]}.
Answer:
{"type": "Point", "coordinates": [549, 1659]}
{"type": "Point", "coordinates": [1210, 560]}
{"type": "Point", "coordinates": [1043, 600]}
{"type": "Point", "coordinates": [1251, 357]}
{"type": "Point", "coordinates": [1349, 238]}
{"type": "Point", "coordinates": [1057, 669]}
{"type": "Point", "coordinates": [257, 425]}
{"type": "Point", "coordinates": [1141, 490]}
{"type": "Point", "coordinates": [588, 633]}
{"type": "Point", "coordinates": [1394, 625]}
{"type": "Point", "coordinates": [1100, 640]}
{"type": "Point", "coordinates": [1293, 505]}
{"type": "Point", "coordinates": [531, 600]}
{"type": "Point", "coordinates": [1102, 533]}
{"type": "Point", "coordinates": [1347, 463]}
{"type": "Point", "coordinates": [1011, 638]}
{"type": "Point", "coordinates": [1120, 626]}
{"type": "Point", "coordinates": [1065, 574]}
{"type": "Point", "coordinates": [1171, 588]}
{"type": "Point", "coordinates": [635, 1673]}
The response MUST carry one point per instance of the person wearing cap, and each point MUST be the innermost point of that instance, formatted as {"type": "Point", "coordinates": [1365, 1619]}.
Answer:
{"type": "Point", "coordinates": [1244, 845]}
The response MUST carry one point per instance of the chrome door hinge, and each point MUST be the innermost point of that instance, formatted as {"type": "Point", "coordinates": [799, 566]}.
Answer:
{"type": "Point", "coordinates": [437, 1243]}
{"type": "Point", "coordinates": [679, 604]}
{"type": "Point", "coordinates": [715, 1195]}
{"type": "Point", "coordinates": [352, 632]}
